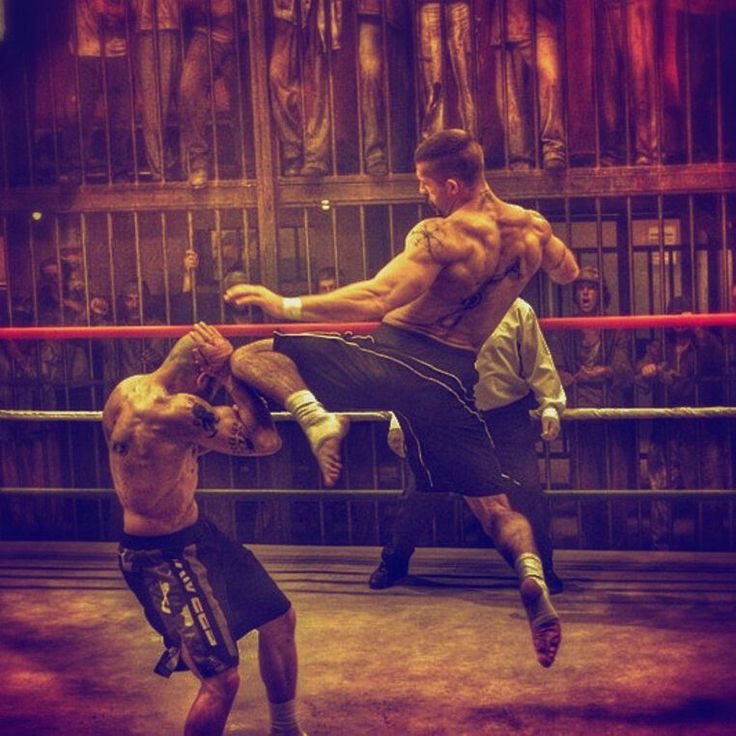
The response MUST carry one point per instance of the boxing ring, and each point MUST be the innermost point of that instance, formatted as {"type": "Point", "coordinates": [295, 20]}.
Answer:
{"type": "Point", "coordinates": [648, 638]}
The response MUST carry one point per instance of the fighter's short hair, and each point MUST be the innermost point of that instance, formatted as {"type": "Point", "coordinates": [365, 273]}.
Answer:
{"type": "Point", "coordinates": [451, 154]}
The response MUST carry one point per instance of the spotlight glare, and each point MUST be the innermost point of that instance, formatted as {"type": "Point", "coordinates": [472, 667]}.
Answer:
{"type": "Point", "coordinates": [325, 204]}
{"type": "Point", "coordinates": [36, 215]}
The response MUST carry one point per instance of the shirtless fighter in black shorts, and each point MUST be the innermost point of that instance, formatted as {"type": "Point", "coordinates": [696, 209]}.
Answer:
{"type": "Point", "coordinates": [201, 590]}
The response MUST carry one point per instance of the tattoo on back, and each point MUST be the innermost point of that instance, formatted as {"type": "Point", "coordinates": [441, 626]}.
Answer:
{"type": "Point", "coordinates": [471, 302]}
{"type": "Point", "coordinates": [206, 419]}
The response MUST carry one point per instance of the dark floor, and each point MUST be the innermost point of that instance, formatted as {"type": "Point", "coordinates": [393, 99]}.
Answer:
{"type": "Point", "coordinates": [649, 647]}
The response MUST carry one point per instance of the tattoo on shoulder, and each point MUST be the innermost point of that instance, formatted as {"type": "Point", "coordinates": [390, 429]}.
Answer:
{"type": "Point", "coordinates": [427, 236]}
{"type": "Point", "coordinates": [120, 448]}
{"type": "Point", "coordinates": [206, 419]}
{"type": "Point", "coordinates": [238, 440]}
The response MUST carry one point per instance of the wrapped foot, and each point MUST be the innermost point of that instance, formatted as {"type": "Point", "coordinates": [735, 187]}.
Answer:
{"type": "Point", "coordinates": [325, 438]}
{"type": "Point", "coordinates": [543, 620]}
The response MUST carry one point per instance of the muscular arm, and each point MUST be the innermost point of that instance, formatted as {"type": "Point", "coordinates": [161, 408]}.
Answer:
{"type": "Point", "coordinates": [557, 259]}
{"type": "Point", "coordinates": [404, 278]}
{"type": "Point", "coordinates": [231, 431]}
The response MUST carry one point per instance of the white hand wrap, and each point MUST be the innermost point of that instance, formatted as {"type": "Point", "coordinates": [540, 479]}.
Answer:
{"type": "Point", "coordinates": [292, 306]}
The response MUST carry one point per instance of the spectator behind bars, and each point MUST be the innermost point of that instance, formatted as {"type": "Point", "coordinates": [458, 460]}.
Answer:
{"type": "Point", "coordinates": [157, 63]}
{"type": "Point", "coordinates": [327, 279]}
{"type": "Point", "coordinates": [209, 55]}
{"type": "Point", "coordinates": [206, 269]}
{"type": "Point", "coordinates": [684, 369]}
{"type": "Point", "coordinates": [596, 371]}
{"type": "Point", "coordinates": [99, 49]}
{"type": "Point", "coordinates": [526, 44]}
{"type": "Point", "coordinates": [305, 34]}
{"type": "Point", "coordinates": [132, 356]}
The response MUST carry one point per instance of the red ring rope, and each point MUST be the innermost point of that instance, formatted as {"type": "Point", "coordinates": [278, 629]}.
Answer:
{"type": "Point", "coordinates": [361, 328]}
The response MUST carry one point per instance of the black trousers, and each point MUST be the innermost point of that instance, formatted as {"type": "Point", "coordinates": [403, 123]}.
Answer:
{"type": "Point", "coordinates": [514, 436]}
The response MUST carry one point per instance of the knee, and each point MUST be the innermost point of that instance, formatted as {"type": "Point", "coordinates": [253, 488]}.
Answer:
{"type": "Point", "coordinates": [499, 504]}
{"type": "Point", "coordinates": [243, 358]}
{"type": "Point", "coordinates": [223, 686]}
{"type": "Point", "coordinates": [281, 628]}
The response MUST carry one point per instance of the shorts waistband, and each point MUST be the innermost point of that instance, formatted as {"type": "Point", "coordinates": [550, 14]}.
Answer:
{"type": "Point", "coordinates": [182, 538]}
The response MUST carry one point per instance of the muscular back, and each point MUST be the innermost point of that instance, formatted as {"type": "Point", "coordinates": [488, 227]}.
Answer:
{"type": "Point", "coordinates": [485, 253]}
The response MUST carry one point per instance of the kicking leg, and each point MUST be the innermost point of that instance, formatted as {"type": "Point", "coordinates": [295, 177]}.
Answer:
{"type": "Point", "coordinates": [514, 540]}
{"type": "Point", "coordinates": [277, 377]}
{"type": "Point", "coordinates": [277, 659]}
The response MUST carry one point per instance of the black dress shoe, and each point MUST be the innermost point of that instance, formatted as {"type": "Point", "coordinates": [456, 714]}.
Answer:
{"type": "Point", "coordinates": [388, 573]}
{"type": "Point", "coordinates": [554, 584]}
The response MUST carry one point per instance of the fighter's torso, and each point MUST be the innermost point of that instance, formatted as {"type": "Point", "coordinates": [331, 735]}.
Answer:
{"type": "Point", "coordinates": [497, 248]}
{"type": "Point", "coordinates": [153, 459]}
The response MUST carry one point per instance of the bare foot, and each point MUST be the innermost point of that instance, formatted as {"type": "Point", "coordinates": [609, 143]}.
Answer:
{"type": "Point", "coordinates": [543, 620]}
{"type": "Point", "coordinates": [327, 451]}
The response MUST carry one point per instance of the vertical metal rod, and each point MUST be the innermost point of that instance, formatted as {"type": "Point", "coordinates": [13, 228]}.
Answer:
{"type": "Point", "coordinates": [330, 88]}
{"type": "Point", "coordinates": [190, 240]}
{"type": "Point", "coordinates": [688, 86]}
{"type": "Point", "coordinates": [236, 106]}
{"type": "Point", "coordinates": [308, 250]}
{"type": "Point", "coordinates": [359, 90]}
{"type": "Point", "coordinates": [264, 135]}
{"type": "Point", "coordinates": [215, 153]}
{"type": "Point", "coordinates": [595, 23]}
{"type": "Point", "coordinates": [131, 103]}
{"type": "Point", "coordinates": [386, 66]}
{"type": "Point", "coordinates": [163, 219]}
{"type": "Point", "coordinates": [106, 102]}
{"type": "Point", "coordinates": [363, 247]}
{"type": "Point", "coordinates": [502, 19]}
{"type": "Point", "coordinates": [534, 83]}
{"type": "Point", "coordinates": [335, 250]}
{"type": "Point", "coordinates": [719, 90]}
{"type": "Point", "coordinates": [53, 97]}
{"type": "Point", "coordinates": [138, 265]}
{"type": "Point", "coordinates": [624, 40]}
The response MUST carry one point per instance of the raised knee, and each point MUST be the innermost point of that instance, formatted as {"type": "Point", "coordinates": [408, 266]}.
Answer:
{"type": "Point", "coordinates": [243, 358]}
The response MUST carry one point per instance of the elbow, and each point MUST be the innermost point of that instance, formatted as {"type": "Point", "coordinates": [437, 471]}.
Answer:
{"type": "Point", "coordinates": [566, 273]}
{"type": "Point", "coordinates": [267, 442]}
{"type": "Point", "coordinates": [377, 307]}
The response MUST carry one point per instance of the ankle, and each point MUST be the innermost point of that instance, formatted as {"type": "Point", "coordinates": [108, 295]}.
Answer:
{"type": "Point", "coordinates": [284, 721]}
{"type": "Point", "coordinates": [528, 565]}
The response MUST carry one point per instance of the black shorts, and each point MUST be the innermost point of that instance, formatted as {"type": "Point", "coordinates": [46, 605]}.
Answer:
{"type": "Point", "coordinates": [200, 589]}
{"type": "Point", "coordinates": [429, 386]}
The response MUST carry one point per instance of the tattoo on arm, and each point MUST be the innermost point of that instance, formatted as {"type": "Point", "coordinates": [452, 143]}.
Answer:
{"type": "Point", "coordinates": [120, 448]}
{"type": "Point", "coordinates": [206, 419]}
{"type": "Point", "coordinates": [238, 440]}
{"type": "Point", "coordinates": [424, 237]}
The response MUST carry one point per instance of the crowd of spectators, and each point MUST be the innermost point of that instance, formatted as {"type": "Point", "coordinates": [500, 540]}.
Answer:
{"type": "Point", "coordinates": [679, 366]}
